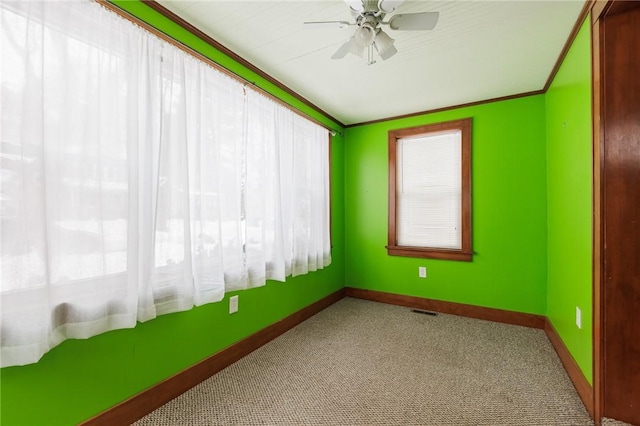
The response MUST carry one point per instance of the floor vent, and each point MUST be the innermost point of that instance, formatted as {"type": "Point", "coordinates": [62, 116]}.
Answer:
{"type": "Point", "coordinates": [419, 311]}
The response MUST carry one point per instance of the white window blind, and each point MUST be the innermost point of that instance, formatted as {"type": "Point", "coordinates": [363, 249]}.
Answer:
{"type": "Point", "coordinates": [429, 188]}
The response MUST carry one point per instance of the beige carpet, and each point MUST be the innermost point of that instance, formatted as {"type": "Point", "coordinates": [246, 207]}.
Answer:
{"type": "Point", "coordinates": [365, 363]}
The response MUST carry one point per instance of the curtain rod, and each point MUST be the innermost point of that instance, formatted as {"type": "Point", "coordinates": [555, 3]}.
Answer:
{"type": "Point", "coordinates": [139, 22]}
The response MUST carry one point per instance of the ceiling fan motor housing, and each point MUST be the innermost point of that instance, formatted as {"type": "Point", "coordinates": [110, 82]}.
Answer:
{"type": "Point", "coordinates": [385, 6]}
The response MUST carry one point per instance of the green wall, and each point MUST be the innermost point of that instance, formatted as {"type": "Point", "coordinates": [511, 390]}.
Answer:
{"type": "Point", "coordinates": [532, 208]}
{"type": "Point", "coordinates": [531, 235]}
{"type": "Point", "coordinates": [509, 268]}
{"type": "Point", "coordinates": [569, 200]}
{"type": "Point", "coordinates": [81, 378]}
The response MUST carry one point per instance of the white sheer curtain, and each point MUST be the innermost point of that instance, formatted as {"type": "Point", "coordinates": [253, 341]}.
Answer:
{"type": "Point", "coordinates": [137, 180]}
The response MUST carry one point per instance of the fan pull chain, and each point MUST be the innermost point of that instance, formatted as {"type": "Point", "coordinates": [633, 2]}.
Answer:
{"type": "Point", "coordinates": [370, 60]}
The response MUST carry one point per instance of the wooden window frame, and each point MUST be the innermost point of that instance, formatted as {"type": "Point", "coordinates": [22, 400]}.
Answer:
{"type": "Point", "coordinates": [465, 253]}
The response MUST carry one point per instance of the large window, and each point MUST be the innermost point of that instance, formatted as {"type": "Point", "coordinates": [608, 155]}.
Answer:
{"type": "Point", "coordinates": [138, 180]}
{"type": "Point", "coordinates": [430, 191]}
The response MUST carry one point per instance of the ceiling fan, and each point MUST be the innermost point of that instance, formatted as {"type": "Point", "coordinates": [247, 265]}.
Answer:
{"type": "Point", "coordinates": [369, 16]}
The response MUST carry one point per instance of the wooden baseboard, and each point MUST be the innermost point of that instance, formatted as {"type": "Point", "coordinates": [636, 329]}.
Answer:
{"type": "Point", "coordinates": [150, 399]}
{"type": "Point", "coordinates": [479, 312]}
{"type": "Point", "coordinates": [584, 389]}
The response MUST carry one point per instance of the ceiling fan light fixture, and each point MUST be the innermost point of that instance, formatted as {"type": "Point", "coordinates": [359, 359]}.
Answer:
{"type": "Point", "coordinates": [356, 49]}
{"type": "Point", "coordinates": [384, 45]}
{"type": "Point", "coordinates": [365, 35]}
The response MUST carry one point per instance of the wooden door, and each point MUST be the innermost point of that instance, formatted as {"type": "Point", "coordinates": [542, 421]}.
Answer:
{"type": "Point", "coordinates": [620, 44]}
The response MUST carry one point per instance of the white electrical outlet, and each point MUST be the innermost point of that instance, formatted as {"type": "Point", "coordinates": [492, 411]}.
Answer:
{"type": "Point", "coordinates": [233, 304]}
{"type": "Point", "coordinates": [578, 318]}
{"type": "Point", "coordinates": [422, 271]}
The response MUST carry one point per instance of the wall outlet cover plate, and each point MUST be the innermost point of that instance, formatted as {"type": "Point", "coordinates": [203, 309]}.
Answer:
{"type": "Point", "coordinates": [233, 304]}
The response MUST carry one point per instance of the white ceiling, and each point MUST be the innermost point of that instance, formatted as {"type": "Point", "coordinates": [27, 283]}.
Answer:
{"type": "Point", "coordinates": [479, 50]}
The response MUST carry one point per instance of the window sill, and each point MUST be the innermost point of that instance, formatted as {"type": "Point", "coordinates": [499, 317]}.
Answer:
{"type": "Point", "coordinates": [428, 253]}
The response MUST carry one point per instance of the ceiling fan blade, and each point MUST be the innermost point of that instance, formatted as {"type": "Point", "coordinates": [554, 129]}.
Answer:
{"type": "Point", "coordinates": [344, 49]}
{"type": "Point", "coordinates": [327, 24]}
{"type": "Point", "coordinates": [414, 21]}
{"type": "Point", "coordinates": [355, 5]}
{"type": "Point", "coordinates": [388, 6]}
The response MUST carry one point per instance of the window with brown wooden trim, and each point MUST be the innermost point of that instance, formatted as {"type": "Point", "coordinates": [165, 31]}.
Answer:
{"type": "Point", "coordinates": [430, 191]}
